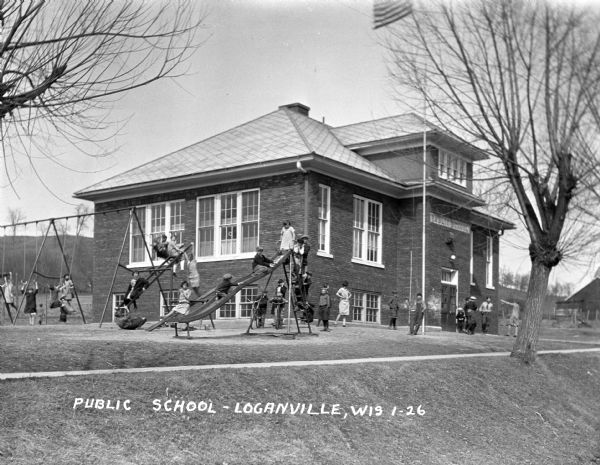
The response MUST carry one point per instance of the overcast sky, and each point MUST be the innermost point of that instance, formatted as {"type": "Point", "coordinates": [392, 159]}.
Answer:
{"type": "Point", "coordinates": [258, 55]}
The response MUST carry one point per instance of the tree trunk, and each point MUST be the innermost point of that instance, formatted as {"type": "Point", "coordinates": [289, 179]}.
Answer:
{"type": "Point", "coordinates": [531, 316]}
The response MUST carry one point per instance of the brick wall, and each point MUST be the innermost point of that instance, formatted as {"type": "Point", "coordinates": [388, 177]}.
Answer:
{"type": "Point", "coordinates": [280, 198]}
{"type": "Point", "coordinates": [283, 197]}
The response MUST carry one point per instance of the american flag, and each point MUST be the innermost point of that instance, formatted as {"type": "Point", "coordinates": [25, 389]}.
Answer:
{"type": "Point", "coordinates": [388, 11]}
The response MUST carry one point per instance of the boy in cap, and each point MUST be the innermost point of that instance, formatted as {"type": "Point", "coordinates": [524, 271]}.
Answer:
{"type": "Point", "coordinates": [394, 309]}
{"type": "Point", "coordinates": [223, 287]}
{"type": "Point", "coordinates": [471, 311]}
{"type": "Point", "coordinates": [261, 309]}
{"type": "Point", "coordinates": [260, 263]}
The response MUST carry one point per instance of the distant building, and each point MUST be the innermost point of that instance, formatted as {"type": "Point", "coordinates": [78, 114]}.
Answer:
{"type": "Point", "coordinates": [356, 190]}
{"type": "Point", "coordinates": [582, 305]}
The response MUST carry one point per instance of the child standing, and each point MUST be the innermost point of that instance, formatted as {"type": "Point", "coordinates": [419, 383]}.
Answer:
{"type": "Point", "coordinates": [324, 308]}
{"type": "Point", "coordinates": [288, 236]}
{"type": "Point", "coordinates": [460, 320]}
{"type": "Point", "coordinates": [278, 303]}
{"type": "Point", "coordinates": [394, 309]}
{"type": "Point", "coordinates": [344, 308]}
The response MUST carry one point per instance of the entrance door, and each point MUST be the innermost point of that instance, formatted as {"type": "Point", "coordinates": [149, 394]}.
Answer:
{"type": "Point", "coordinates": [448, 307]}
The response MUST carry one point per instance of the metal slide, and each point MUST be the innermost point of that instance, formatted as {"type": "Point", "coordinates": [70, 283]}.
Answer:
{"type": "Point", "coordinates": [205, 308]}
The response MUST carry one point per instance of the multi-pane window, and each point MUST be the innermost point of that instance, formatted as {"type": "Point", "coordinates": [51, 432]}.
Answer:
{"type": "Point", "coordinates": [156, 220]}
{"type": "Point", "coordinates": [358, 228]}
{"type": "Point", "coordinates": [366, 307]}
{"type": "Point", "coordinates": [172, 297]}
{"type": "Point", "coordinates": [324, 217]}
{"type": "Point", "coordinates": [228, 310]}
{"type": "Point", "coordinates": [206, 226]}
{"type": "Point", "coordinates": [177, 224]}
{"type": "Point", "coordinates": [367, 225]}
{"type": "Point", "coordinates": [247, 297]}
{"type": "Point", "coordinates": [372, 308]}
{"type": "Point", "coordinates": [138, 249]}
{"type": "Point", "coordinates": [249, 221]}
{"type": "Point", "coordinates": [452, 168]}
{"type": "Point", "coordinates": [357, 306]}
{"type": "Point", "coordinates": [227, 224]}
{"type": "Point", "coordinates": [489, 262]}
{"type": "Point", "coordinates": [117, 301]}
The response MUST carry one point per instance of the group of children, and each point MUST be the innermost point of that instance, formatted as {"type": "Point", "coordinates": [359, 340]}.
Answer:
{"type": "Point", "coordinates": [61, 296]}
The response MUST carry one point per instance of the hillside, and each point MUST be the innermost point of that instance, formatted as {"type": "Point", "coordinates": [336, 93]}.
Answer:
{"type": "Point", "coordinates": [19, 253]}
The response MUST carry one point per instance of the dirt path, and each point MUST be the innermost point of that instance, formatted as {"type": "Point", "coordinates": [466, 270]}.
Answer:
{"type": "Point", "coordinates": [300, 363]}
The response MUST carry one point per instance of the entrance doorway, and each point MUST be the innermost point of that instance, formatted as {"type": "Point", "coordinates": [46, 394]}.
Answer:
{"type": "Point", "coordinates": [449, 296]}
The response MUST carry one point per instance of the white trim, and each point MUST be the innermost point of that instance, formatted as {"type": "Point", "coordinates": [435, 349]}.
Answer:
{"type": "Point", "coordinates": [365, 232]}
{"type": "Point", "coordinates": [223, 258]}
{"type": "Point", "coordinates": [363, 307]}
{"type": "Point", "coordinates": [364, 262]}
{"type": "Point", "coordinates": [114, 303]}
{"type": "Point", "coordinates": [454, 283]}
{"type": "Point", "coordinates": [448, 157]}
{"type": "Point", "coordinates": [489, 262]}
{"type": "Point", "coordinates": [216, 253]}
{"type": "Point", "coordinates": [471, 262]}
{"type": "Point", "coordinates": [323, 254]}
{"type": "Point", "coordinates": [147, 227]}
{"type": "Point", "coordinates": [326, 219]}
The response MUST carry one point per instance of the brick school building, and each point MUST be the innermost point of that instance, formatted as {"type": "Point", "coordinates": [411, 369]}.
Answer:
{"type": "Point", "coordinates": [355, 190]}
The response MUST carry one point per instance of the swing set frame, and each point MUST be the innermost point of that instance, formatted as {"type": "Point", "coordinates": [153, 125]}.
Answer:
{"type": "Point", "coordinates": [155, 272]}
{"type": "Point", "coordinates": [51, 225]}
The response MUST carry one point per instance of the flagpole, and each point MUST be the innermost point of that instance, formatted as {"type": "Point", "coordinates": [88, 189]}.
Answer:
{"type": "Point", "coordinates": [423, 245]}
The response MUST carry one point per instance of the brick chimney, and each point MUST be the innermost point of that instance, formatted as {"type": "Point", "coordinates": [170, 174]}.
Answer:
{"type": "Point", "coordinates": [297, 107]}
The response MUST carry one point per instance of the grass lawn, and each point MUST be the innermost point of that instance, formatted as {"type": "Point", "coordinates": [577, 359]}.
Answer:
{"type": "Point", "coordinates": [474, 411]}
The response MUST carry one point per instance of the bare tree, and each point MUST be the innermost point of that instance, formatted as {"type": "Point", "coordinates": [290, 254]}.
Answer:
{"type": "Point", "coordinates": [82, 211]}
{"type": "Point", "coordinates": [15, 215]}
{"type": "Point", "coordinates": [63, 64]}
{"type": "Point", "coordinates": [520, 79]}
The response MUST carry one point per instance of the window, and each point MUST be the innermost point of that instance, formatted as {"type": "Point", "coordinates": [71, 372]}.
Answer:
{"type": "Point", "coordinates": [243, 301]}
{"type": "Point", "coordinates": [449, 276]}
{"type": "Point", "coordinates": [156, 220]}
{"type": "Point", "coordinates": [366, 238]}
{"type": "Point", "coordinates": [228, 224]}
{"type": "Point", "coordinates": [117, 301]}
{"type": "Point", "coordinates": [172, 297]}
{"type": "Point", "coordinates": [138, 249]}
{"type": "Point", "coordinates": [357, 306]}
{"type": "Point", "coordinates": [324, 218]}
{"type": "Point", "coordinates": [228, 310]}
{"type": "Point", "coordinates": [365, 307]}
{"type": "Point", "coordinates": [489, 262]}
{"type": "Point", "coordinates": [452, 168]}
{"type": "Point", "coordinates": [247, 297]}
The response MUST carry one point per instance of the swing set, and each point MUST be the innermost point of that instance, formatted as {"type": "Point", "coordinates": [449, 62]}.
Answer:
{"type": "Point", "coordinates": [153, 273]}
{"type": "Point", "coordinates": [62, 244]}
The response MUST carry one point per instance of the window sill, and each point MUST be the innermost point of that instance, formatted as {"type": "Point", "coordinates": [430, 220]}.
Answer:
{"type": "Point", "coordinates": [490, 287]}
{"type": "Point", "coordinates": [222, 258]}
{"type": "Point", "coordinates": [364, 262]}
{"type": "Point", "coordinates": [324, 254]}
